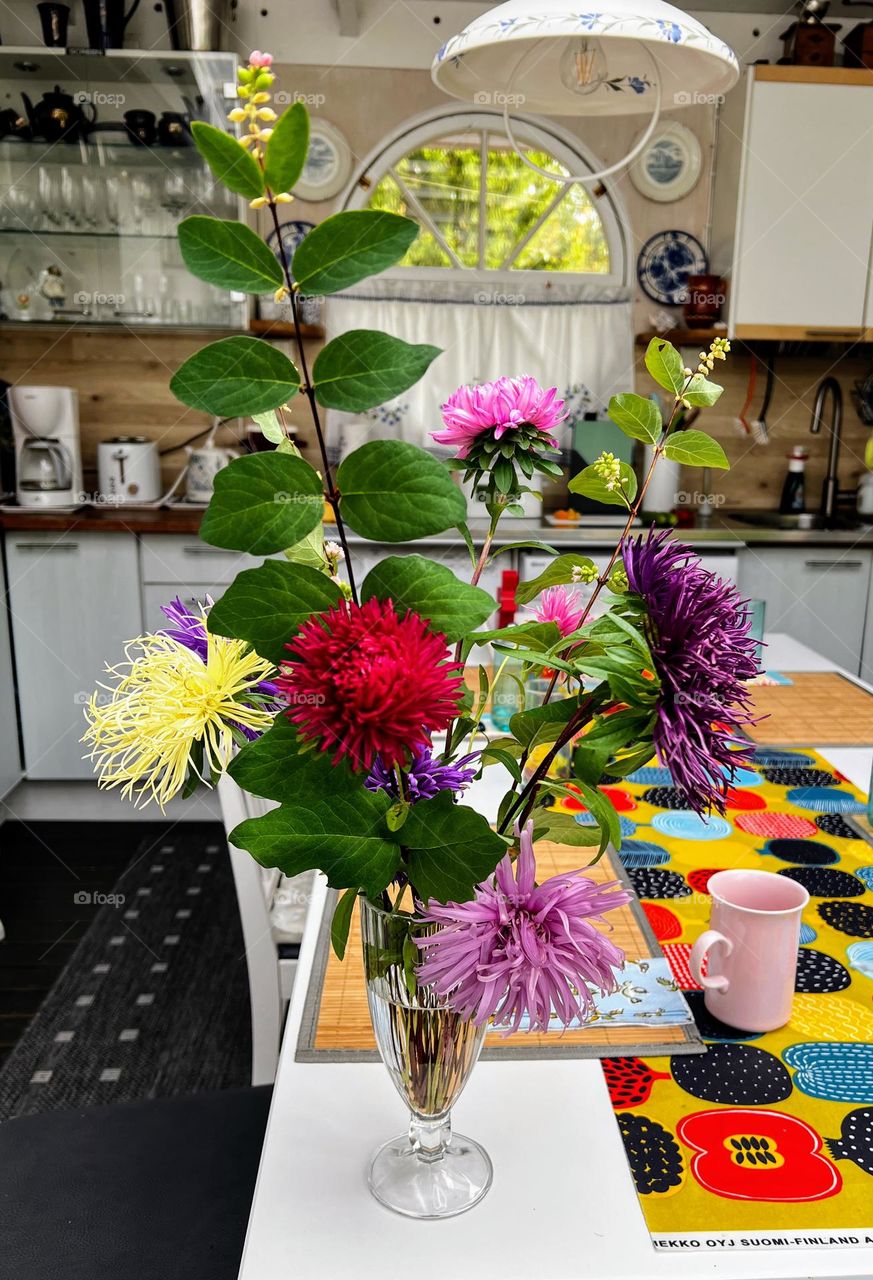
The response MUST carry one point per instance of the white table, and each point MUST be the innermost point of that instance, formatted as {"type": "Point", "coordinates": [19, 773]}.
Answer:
{"type": "Point", "coordinates": [562, 1206]}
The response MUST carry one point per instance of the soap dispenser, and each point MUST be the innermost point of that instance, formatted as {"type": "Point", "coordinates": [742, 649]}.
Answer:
{"type": "Point", "coordinates": [794, 489]}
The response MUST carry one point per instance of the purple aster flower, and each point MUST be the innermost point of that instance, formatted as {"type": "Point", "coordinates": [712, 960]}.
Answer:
{"type": "Point", "coordinates": [698, 631]}
{"type": "Point", "coordinates": [519, 949]}
{"type": "Point", "coordinates": [189, 629]}
{"type": "Point", "coordinates": [425, 777]}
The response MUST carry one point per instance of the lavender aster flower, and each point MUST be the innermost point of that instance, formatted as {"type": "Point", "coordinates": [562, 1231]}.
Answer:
{"type": "Point", "coordinates": [426, 776]}
{"type": "Point", "coordinates": [697, 627]}
{"type": "Point", "coordinates": [520, 949]}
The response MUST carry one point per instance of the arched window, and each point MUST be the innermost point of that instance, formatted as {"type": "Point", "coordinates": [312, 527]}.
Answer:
{"type": "Point", "coordinates": [482, 210]}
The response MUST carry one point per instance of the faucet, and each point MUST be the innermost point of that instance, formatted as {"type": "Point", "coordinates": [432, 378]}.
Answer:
{"type": "Point", "coordinates": [830, 488]}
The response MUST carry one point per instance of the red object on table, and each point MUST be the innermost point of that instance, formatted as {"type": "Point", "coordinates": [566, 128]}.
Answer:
{"type": "Point", "coordinates": [506, 597]}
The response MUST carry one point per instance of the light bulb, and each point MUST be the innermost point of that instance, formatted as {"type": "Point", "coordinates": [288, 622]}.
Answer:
{"type": "Point", "coordinates": [583, 66]}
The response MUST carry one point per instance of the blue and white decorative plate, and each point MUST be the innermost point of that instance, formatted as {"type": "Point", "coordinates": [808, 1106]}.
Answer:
{"type": "Point", "coordinates": [292, 233]}
{"type": "Point", "coordinates": [666, 261]}
{"type": "Point", "coordinates": [669, 165]}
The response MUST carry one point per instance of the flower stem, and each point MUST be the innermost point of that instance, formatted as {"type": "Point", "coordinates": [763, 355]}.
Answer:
{"type": "Point", "coordinates": [330, 492]}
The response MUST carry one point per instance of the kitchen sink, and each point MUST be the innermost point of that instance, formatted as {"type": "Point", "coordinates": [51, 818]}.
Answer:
{"type": "Point", "coordinates": [803, 521]}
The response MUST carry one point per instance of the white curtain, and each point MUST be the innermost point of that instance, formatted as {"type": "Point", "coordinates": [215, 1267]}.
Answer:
{"type": "Point", "coordinates": [578, 338]}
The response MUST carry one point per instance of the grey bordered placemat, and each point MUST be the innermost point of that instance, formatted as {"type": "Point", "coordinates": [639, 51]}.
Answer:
{"type": "Point", "coordinates": [515, 1047]}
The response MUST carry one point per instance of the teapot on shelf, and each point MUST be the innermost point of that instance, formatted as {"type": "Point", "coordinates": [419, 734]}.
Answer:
{"type": "Point", "coordinates": [58, 115]}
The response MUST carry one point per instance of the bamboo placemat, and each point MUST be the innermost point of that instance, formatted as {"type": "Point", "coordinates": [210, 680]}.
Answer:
{"type": "Point", "coordinates": [336, 1020]}
{"type": "Point", "coordinates": [822, 707]}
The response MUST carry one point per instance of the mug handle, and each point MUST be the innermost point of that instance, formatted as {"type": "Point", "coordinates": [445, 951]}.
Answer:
{"type": "Point", "coordinates": [698, 954]}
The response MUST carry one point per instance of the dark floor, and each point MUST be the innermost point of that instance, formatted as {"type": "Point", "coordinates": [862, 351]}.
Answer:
{"type": "Point", "coordinates": [50, 890]}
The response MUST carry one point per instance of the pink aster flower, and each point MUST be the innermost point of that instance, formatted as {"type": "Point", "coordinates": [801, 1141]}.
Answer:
{"type": "Point", "coordinates": [519, 949]}
{"type": "Point", "coordinates": [561, 605]}
{"type": "Point", "coordinates": [258, 59]}
{"type": "Point", "coordinates": [499, 407]}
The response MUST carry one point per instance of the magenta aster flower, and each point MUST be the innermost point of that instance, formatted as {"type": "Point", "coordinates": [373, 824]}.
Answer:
{"type": "Point", "coordinates": [365, 682]}
{"type": "Point", "coordinates": [509, 404]}
{"type": "Point", "coordinates": [561, 605]}
{"type": "Point", "coordinates": [697, 626]}
{"type": "Point", "coordinates": [519, 949]}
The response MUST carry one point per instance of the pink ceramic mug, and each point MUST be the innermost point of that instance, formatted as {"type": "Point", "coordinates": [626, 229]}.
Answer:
{"type": "Point", "coordinates": [756, 929]}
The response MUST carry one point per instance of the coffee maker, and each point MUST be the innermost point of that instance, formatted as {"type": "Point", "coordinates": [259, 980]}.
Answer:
{"type": "Point", "coordinates": [48, 460]}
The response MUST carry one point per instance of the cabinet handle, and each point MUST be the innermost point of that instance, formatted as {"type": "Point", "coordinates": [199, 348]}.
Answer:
{"type": "Point", "coordinates": [205, 551]}
{"type": "Point", "coordinates": [46, 546]}
{"type": "Point", "coordinates": [834, 333]}
{"type": "Point", "coordinates": [834, 564]}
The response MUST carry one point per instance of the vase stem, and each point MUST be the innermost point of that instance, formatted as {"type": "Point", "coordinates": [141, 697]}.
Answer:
{"type": "Point", "coordinates": [429, 1136]}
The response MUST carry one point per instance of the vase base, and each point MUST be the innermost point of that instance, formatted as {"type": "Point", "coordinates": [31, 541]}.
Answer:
{"type": "Point", "coordinates": [402, 1180]}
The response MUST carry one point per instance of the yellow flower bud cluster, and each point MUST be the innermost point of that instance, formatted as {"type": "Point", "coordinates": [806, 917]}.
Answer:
{"type": "Point", "coordinates": [255, 83]}
{"type": "Point", "coordinates": [718, 350]}
{"type": "Point", "coordinates": [608, 469]}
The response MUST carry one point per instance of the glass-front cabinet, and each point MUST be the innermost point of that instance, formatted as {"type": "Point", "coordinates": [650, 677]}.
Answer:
{"type": "Point", "coordinates": [97, 168]}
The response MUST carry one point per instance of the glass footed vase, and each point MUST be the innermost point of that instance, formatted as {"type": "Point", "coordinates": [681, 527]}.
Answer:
{"type": "Point", "coordinates": [429, 1051]}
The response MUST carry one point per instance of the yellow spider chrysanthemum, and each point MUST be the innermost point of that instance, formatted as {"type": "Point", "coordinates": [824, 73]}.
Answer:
{"type": "Point", "coordinates": [143, 728]}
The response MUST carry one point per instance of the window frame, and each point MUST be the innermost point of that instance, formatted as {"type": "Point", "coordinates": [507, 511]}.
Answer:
{"type": "Point", "coordinates": [541, 134]}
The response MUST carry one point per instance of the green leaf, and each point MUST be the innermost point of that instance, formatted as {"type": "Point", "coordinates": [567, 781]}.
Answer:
{"type": "Point", "coordinates": [235, 377]}
{"type": "Point", "coordinates": [262, 503]}
{"type": "Point", "coordinates": [270, 426]}
{"type": "Point", "coordinates": [450, 848]}
{"type": "Point", "coordinates": [696, 449]}
{"type": "Point", "coordinates": [638, 418]}
{"type": "Point", "coordinates": [363, 368]}
{"type": "Point", "coordinates": [563, 828]}
{"type": "Point", "coordinates": [603, 812]}
{"type": "Point", "coordinates": [665, 365]}
{"type": "Point", "coordinates": [539, 636]}
{"type": "Point", "coordinates": [274, 766]}
{"type": "Point", "coordinates": [350, 246]}
{"type": "Point", "coordinates": [338, 833]}
{"type": "Point", "coordinates": [228, 254]}
{"type": "Point", "coordinates": [559, 573]}
{"type": "Point", "coordinates": [267, 606]}
{"type": "Point", "coordinates": [494, 755]}
{"type": "Point", "coordinates": [229, 161]}
{"type": "Point", "coordinates": [531, 544]}
{"type": "Point", "coordinates": [286, 151]}
{"type": "Point", "coordinates": [702, 393]}
{"type": "Point", "coordinates": [309, 551]}
{"type": "Point", "coordinates": [590, 485]}
{"type": "Point", "coordinates": [393, 492]}
{"type": "Point", "coordinates": [529, 725]}
{"type": "Point", "coordinates": [430, 590]}
{"type": "Point", "coordinates": [397, 814]}
{"type": "Point", "coordinates": [342, 922]}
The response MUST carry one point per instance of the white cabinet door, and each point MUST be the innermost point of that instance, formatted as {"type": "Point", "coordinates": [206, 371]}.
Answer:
{"type": "Point", "coordinates": [817, 595]}
{"type": "Point", "coordinates": [75, 602]}
{"type": "Point", "coordinates": [802, 252]}
{"type": "Point", "coordinates": [10, 759]}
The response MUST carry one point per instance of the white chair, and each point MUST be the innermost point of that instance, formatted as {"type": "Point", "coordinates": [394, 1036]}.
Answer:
{"type": "Point", "coordinates": [270, 978]}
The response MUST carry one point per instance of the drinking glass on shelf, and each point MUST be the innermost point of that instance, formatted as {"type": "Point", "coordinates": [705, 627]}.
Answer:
{"type": "Point", "coordinates": [16, 207]}
{"type": "Point", "coordinates": [48, 189]}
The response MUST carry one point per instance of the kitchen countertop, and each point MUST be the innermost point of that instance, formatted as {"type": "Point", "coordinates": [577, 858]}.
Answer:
{"type": "Point", "coordinates": [723, 531]}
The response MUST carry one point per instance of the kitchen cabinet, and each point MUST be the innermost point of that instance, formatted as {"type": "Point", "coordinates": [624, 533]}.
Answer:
{"type": "Point", "coordinates": [74, 604]}
{"type": "Point", "coordinates": [185, 567]}
{"type": "Point", "coordinates": [10, 759]}
{"type": "Point", "coordinates": [793, 207]}
{"type": "Point", "coordinates": [89, 216]}
{"type": "Point", "coordinates": [818, 595]}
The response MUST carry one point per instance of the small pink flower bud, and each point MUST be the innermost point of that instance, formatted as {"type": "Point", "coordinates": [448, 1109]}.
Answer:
{"type": "Point", "coordinates": [258, 59]}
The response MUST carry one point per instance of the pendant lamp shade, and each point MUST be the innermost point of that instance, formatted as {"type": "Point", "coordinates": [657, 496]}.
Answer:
{"type": "Point", "coordinates": [553, 57]}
